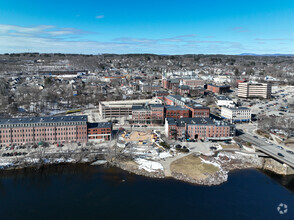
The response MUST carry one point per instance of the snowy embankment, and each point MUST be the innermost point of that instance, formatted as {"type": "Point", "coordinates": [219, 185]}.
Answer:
{"type": "Point", "coordinates": [9, 163]}
{"type": "Point", "coordinates": [148, 165]}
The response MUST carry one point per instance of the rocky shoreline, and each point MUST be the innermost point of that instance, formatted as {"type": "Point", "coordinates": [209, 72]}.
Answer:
{"type": "Point", "coordinates": [224, 161]}
{"type": "Point", "coordinates": [228, 162]}
{"type": "Point", "coordinates": [132, 168]}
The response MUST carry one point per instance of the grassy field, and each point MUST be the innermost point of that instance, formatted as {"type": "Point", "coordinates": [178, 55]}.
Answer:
{"type": "Point", "coordinates": [193, 167]}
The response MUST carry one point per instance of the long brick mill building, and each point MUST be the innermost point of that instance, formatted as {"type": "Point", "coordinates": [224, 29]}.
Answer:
{"type": "Point", "coordinates": [198, 129]}
{"type": "Point", "coordinates": [61, 129]}
{"type": "Point", "coordinates": [53, 130]}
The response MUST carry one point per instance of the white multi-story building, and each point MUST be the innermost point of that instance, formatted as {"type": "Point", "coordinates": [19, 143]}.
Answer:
{"type": "Point", "coordinates": [122, 108]}
{"type": "Point", "coordinates": [238, 114]}
{"type": "Point", "coordinates": [224, 101]}
{"type": "Point", "coordinates": [251, 90]}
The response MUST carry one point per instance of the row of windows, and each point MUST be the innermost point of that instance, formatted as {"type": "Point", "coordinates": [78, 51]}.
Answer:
{"type": "Point", "coordinates": [42, 139]}
{"type": "Point", "coordinates": [104, 129]}
{"type": "Point", "coordinates": [35, 135]}
{"type": "Point", "coordinates": [43, 129]}
{"type": "Point", "coordinates": [41, 124]}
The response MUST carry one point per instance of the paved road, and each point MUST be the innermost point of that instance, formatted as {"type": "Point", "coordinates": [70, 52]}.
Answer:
{"type": "Point", "coordinates": [271, 150]}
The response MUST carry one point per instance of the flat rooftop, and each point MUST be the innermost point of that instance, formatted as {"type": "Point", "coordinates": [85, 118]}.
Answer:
{"type": "Point", "coordinates": [100, 125]}
{"type": "Point", "coordinates": [30, 120]}
{"type": "Point", "coordinates": [175, 108]}
{"type": "Point", "coordinates": [223, 97]}
{"type": "Point", "coordinates": [131, 102]}
{"type": "Point", "coordinates": [220, 86]}
{"type": "Point", "coordinates": [194, 121]}
{"type": "Point", "coordinates": [238, 108]}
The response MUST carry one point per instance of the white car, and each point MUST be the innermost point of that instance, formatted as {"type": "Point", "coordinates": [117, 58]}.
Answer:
{"type": "Point", "coordinates": [280, 147]}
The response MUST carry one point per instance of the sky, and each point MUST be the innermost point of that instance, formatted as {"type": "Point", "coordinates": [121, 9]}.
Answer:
{"type": "Point", "coordinates": [159, 27]}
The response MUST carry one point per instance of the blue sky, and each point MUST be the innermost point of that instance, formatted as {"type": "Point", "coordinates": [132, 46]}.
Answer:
{"type": "Point", "coordinates": [161, 27]}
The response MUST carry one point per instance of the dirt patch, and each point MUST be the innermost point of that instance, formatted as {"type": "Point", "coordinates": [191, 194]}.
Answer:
{"type": "Point", "coordinates": [230, 146]}
{"type": "Point", "coordinates": [139, 136]}
{"type": "Point", "coordinates": [289, 142]}
{"type": "Point", "coordinates": [264, 134]}
{"type": "Point", "coordinates": [193, 167]}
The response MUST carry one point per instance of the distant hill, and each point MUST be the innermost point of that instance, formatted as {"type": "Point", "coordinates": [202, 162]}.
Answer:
{"type": "Point", "coordinates": [269, 55]}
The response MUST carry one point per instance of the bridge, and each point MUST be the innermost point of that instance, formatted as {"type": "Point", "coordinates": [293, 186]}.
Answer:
{"type": "Point", "coordinates": [271, 150]}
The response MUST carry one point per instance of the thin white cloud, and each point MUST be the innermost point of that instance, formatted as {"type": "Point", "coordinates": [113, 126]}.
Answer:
{"type": "Point", "coordinates": [52, 39]}
{"type": "Point", "coordinates": [100, 16]}
{"type": "Point", "coordinates": [239, 29]}
{"type": "Point", "coordinates": [41, 30]}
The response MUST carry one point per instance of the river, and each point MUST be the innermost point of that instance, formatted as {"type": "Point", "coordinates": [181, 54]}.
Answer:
{"type": "Point", "coordinates": [89, 192]}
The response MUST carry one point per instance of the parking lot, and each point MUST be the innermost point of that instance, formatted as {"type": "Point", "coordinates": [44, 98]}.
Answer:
{"type": "Point", "coordinates": [278, 106]}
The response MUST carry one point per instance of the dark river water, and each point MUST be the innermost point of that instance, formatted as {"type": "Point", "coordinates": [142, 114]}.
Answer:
{"type": "Point", "coordinates": [87, 192]}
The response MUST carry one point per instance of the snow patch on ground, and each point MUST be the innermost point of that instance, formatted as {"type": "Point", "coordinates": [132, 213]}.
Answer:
{"type": "Point", "coordinates": [164, 155]}
{"type": "Point", "coordinates": [63, 160]}
{"type": "Point", "coordinates": [4, 165]}
{"type": "Point", "coordinates": [32, 160]}
{"type": "Point", "coordinates": [99, 162]}
{"type": "Point", "coordinates": [212, 163]}
{"type": "Point", "coordinates": [148, 165]}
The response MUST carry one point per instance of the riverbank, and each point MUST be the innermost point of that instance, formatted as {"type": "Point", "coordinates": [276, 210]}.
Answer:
{"type": "Point", "coordinates": [203, 169]}
{"type": "Point", "coordinates": [196, 168]}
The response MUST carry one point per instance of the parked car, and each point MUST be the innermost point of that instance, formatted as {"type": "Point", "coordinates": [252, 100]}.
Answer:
{"type": "Point", "coordinates": [178, 146]}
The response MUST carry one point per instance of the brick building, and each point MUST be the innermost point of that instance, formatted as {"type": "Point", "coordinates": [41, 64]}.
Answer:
{"type": "Point", "coordinates": [99, 131]}
{"type": "Point", "coordinates": [171, 84]}
{"type": "Point", "coordinates": [183, 90]}
{"type": "Point", "coordinates": [148, 114]}
{"type": "Point", "coordinates": [219, 89]}
{"type": "Point", "coordinates": [160, 94]}
{"type": "Point", "coordinates": [196, 109]}
{"type": "Point", "coordinates": [196, 91]}
{"type": "Point", "coordinates": [61, 129]}
{"type": "Point", "coordinates": [177, 112]}
{"type": "Point", "coordinates": [198, 128]}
